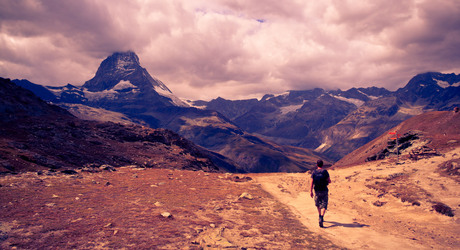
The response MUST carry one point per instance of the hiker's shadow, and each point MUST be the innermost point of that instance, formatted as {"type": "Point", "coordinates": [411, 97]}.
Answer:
{"type": "Point", "coordinates": [329, 224]}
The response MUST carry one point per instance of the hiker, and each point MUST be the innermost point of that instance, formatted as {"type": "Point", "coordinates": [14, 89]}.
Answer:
{"type": "Point", "coordinates": [319, 180]}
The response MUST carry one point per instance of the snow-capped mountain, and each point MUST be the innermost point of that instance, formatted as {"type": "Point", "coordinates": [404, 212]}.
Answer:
{"type": "Point", "coordinates": [122, 73]}
{"type": "Point", "coordinates": [438, 91]}
{"type": "Point", "coordinates": [337, 122]}
{"type": "Point", "coordinates": [122, 70]}
{"type": "Point", "coordinates": [119, 78]}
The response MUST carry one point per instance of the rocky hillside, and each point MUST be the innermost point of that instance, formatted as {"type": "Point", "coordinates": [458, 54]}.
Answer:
{"type": "Point", "coordinates": [35, 135]}
{"type": "Point", "coordinates": [423, 135]}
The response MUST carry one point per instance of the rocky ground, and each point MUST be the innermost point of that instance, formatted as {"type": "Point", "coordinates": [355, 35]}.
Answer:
{"type": "Point", "coordinates": [146, 209]}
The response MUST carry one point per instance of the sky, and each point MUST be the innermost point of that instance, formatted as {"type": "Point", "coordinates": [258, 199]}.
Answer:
{"type": "Point", "coordinates": [235, 49]}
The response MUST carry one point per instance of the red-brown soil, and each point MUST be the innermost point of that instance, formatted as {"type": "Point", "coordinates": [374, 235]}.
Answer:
{"type": "Point", "coordinates": [122, 209]}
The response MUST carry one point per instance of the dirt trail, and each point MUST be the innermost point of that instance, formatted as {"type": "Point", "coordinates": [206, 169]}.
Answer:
{"type": "Point", "coordinates": [342, 227]}
{"type": "Point", "coordinates": [362, 217]}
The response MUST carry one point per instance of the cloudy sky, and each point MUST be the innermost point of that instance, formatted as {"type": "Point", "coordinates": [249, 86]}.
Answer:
{"type": "Point", "coordinates": [202, 49]}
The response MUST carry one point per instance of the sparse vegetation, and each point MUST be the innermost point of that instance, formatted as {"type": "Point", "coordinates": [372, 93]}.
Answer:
{"type": "Point", "coordinates": [443, 209]}
{"type": "Point", "coordinates": [451, 169]}
{"type": "Point", "coordinates": [397, 185]}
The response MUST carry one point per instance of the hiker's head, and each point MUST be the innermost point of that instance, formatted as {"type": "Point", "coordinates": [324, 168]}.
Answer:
{"type": "Point", "coordinates": [319, 163]}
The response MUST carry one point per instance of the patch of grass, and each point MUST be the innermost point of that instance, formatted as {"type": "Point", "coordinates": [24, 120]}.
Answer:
{"type": "Point", "coordinates": [398, 185]}
{"type": "Point", "coordinates": [450, 169]}
{"type": "Point", "coordinates": [443, 209]}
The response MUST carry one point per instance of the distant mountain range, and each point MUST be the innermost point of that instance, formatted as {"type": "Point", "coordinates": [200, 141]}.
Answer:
{"type": "Point", "coordinates": [335, 123]}
{"type": "Point", "coordinates": [263, 135]}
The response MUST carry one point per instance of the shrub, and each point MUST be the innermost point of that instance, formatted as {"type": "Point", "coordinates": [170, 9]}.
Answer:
{"type": "Point", "coordinates": [443, 209]}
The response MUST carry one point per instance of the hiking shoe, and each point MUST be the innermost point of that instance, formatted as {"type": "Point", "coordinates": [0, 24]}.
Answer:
{"type": "Point", "coordinates": [321, 219]}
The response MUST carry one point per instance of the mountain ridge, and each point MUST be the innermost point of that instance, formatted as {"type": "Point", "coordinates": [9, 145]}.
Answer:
{"type": "Point", "coordinates": [331, 122]}
{"type": "Point", "coordinates": [370, 111]}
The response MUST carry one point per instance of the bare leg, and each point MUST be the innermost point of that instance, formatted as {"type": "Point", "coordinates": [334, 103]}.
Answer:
{"type": "Point", "coordinates": [322, 212]}
{"type": "Point", "coordinates": [319, 210]}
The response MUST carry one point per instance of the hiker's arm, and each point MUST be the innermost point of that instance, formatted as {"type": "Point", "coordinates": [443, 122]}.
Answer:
{"type": "Point", "coordinates": [329, 180]}
{"type": "Point", "coordinates": [311, 187]}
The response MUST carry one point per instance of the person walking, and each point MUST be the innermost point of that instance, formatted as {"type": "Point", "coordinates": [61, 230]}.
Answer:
{"type": "Point", "coordinates": [319, 180]}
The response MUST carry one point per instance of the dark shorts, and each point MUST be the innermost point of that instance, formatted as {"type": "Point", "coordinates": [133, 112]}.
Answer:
{"type": "Point", "coordinates": [321, 199]}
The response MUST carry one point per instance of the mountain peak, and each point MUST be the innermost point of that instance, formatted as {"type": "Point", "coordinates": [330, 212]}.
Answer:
{"type": "Point", "coordinates": [123, 67]}
{"type": "Point", "coordinates": [124, 61]}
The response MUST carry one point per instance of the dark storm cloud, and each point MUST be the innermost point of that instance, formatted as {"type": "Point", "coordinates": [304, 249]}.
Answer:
{"type": "Point", "coordinates": [233, 48]}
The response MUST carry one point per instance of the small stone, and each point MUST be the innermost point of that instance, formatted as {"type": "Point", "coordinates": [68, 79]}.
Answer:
{"type": "Point", "coordinates": [166, 214]}
{"type": "Point", "coordinates": [108, 168]}
{"type": "Point", "coordinates": [55, 196]}
{"type": "Point", "coordinates": [69, 172]}
{"type": "Point", "coordinates": [212, 225]}
{"type": "Point", "coordinates": [77, 220]}
{"type": "Point", "coordinates": [158, 204]}
{"type": "Point", "coordinates": [246, 196]}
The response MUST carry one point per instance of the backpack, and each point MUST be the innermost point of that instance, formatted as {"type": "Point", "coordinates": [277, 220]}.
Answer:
{"type": "Point", "coordinates": [320, 179]}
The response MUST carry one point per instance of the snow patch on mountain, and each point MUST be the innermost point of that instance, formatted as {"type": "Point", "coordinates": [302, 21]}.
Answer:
{"type": "Point", "coordinates": [444, 84]}
{"type": "Point", "coordinates": [124, 85]}
{"type": "Point", "coordinates": [167, 93]}
{"type": "Point", "coordinates": [94, 96]}
{"type": "Point", "coordinates": [370, 96]}
{"type": "Point", "coordinates": [412, 109]}
{"type": "Point", "coordinates": [291, 108]}
{"type": "Point", "coordinates": [323, 147]}
{"type": "Point", "coordinates": [193, 105]}
{"type": "Point", "coordinates": [284, 95]}
{"type": "Point", "coordinates": [68, 89]}
{"type": "Point", "coordinates": [356, 102]}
